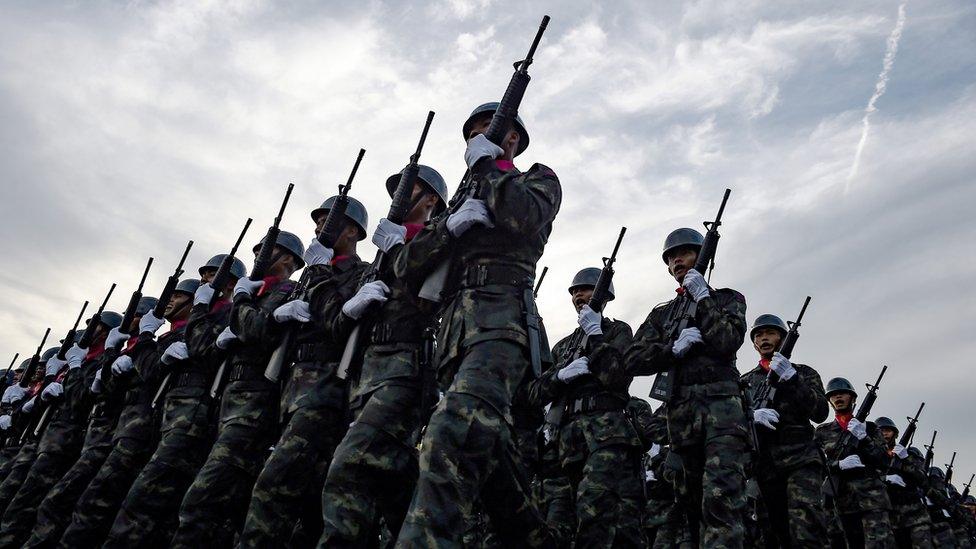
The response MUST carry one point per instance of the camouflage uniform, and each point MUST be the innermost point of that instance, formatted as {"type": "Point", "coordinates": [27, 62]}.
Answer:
{"type": "Point", "coordinates": [860, 497]}
{"type": "Point", "coordinates": [149, 514]}
{"type": "Point", "coordinates": [909, 518]}
{"type": "Point", "coordinates": [706, 420]}
{"type": "Point", "coordinates": [598, 447]}
{"type": "Point", "coordinates": [789, 469]}
{"type": "Point", "coordinates": [215, 505]}
{"type": "Point", "coordinates": [315, 402]}
{"type": "Point", "coordinates": [22, 454]}
{"type": "Point", "coordinates": [483, 354]}
{"type": "Point", "coordinates": [939, 504]}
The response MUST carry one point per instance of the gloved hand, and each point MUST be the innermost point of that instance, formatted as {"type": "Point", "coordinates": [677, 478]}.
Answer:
{"type": "Point", "coordinates": [649, 476]}
{"type": "Point", "coordinates": [5, 422]}
{"type": "Point", "coordinates": [654, 451]}
{"type": "Point", "coordinates": [782, 366]}
{"type": "Point", "coordinates": [694, 283]}
{"type": "Point", "coordinates": [247, 286]}
{"type": "Point", "coordinates": [317, 254]}
{"type": "Point", "coordinates": [293, 310]}
{"type": "Point", "coordinates": [13, 394]}
{"type": "Point", "coordinates": [122, 365]}
{"type": "Point", "coordinates": [590, 321]}
{"type": "Point", "coordinates": [573, 370]}
{"type": "Point", "coordinates": [225, 338]}
{"type": "Point", "coordinates": [75, 356]}
{"type": "Point", "coordinates": [204, 294]}
{"type": "Point", "coordinates": [472, 212]}
{"type": "Point", "coordinates": [54, 365]}
{"type": "Point", "coordinates": [857, 429]}
{"type": "Point", "coordinates": [687, 338]}
{"type": "Point", "coordinates": [115, 338]}
{"type": "Point", "coordinates": [895, 479]}
{"type": "Point", "coordinates": [900, 451]}
{"type": "Point", "coordinates": [850, 462]}
{"type": "Point", "coordinates": [53, 390]}
{"type": "Point", "coordinates": [96, 386]}
{"type": "Point", "coordinates": [149, 323]}
{"type": "Point", "coordinates": [374, 292]}
{"type": "Point", "coordinates": [767, 417]}
{"type": "Point", "coordinates": [388, 235]}
{"type": "Point", "coordinates": [479, 147]}
{"type": "Point", "coordinates": [28, 406]}
{"type": "Point", "coordinates": [175, 353]}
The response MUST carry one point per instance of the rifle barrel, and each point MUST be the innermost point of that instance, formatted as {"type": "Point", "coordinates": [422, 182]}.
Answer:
{"type": "Point", "coordinates": [145, 273]}
{"type": "Point", "coordinates": [423, 137]}
{"type": "Point", "coordinates": [538, 284]}
{"type": "Point", "coordinates": [524, 65]}
{"type": "Point", "coordinates": [240, 237]}
{"type": "Point", "coordinates": [355, 167]}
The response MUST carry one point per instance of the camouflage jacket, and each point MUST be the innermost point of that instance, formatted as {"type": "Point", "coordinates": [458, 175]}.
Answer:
{"type": "Point", "coordinates": [70, 413]}
{"type": "Point", "coordinates": [721, 317]}
{"type": "Point", "coordinates": [908, 508]}
{"type": "Point", "coordinates": [940, 504]}
{"type": "Point", "coordinates": [798, 401]}
{"type": "Point", "coordinates": [192, 377]}
{"type": "Point", "coordinates": [258, 334]}
{"type": "Point", "coordinates": [651, 425]}
{"type": "Point", "coordinates": [862, 488]}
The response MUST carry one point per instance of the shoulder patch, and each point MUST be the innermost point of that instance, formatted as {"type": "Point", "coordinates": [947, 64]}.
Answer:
{"type": "Point", "coordinates": [733, 293]}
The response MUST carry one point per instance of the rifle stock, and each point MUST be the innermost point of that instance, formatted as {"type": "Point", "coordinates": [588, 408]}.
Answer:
{"type": "Point", "coordinates": [69, 338]}
{"type": "Point", "coordinates": [223, 274]}
{"type": "Point", "coordinates": [336, 219]}
{"type": "Point", "coordinates": [130, 310]}
{"type": "Point", "coordinates": [88, 336]}
{"type": "Point", "coordinates": [171, 283]}
{"type": "Point", "coordinates": [34, 362]}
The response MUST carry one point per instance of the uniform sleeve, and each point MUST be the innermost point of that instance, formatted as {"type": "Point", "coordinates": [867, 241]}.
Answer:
{"type": "Point", "coordinates": [251, 319]}
{"type": "Point", "coordinates": [202, 331]}
{"type": "Point", "coordinates": [607, 357]}
{"type": "Point", "coordinates": [872, 450]}
{"type": "Point", "coordinates": [145, 357]}
{"type": "Point", "coordinates": [523, 203]}
{"type": "Point", "coordinates": [650, 353]}
{"type": "Point", "coordinates": [805, 391]}
{"type": "Point", "coordinates": [418, 258]}
{"type": "Point", "coordinates": [912, 470]}
{"type": "Point", "coordinates": [722, 321]}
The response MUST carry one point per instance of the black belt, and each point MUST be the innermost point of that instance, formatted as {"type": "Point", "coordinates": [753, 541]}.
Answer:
{"type": "Point", "coordinates": [384, 332]}
{"type": "Point", "coordinates": [245, 372]}
{"type": "Point", "coordinates": [475, 276]}
{"type": "Point", "coordinates": [312, 352]}
{"type": "Point", "coordinates": [191, 379]}
{"type": "Point", "coordinates": [596, 403]}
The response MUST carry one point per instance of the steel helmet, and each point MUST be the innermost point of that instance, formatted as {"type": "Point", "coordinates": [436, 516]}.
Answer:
{"type": "Point", "coordinates": [886, 423]}
{"type": "Point", "coordinates": [23, 366]}
{"type": "Point", "coordinates": [768, 321]}
{"type": "Point", "coordinates": [681, 237]}
{"type": "Point", "coordinates": [354, 211]}
{"type": "Point", "coordinates": [289, 242]}
{"type": "Point", "coordinates": [49, 353]}
{"type": "Point", "coordinates": [110, 319]}
{"type": "Point", "coordinates": [937, 473]}
{"type": "Point", "coordinates": [588, 277]}
{"type": "Point", "coordinates": [915, 452]}
{"type": "Point", "coordinates": [188, 286]}
{"type": "Point", "coordinates": [237, 268]}
{"type": "Point", "coordinates": [970, 500]}
{"type": "Point", "coordinates": [428, 175]}
{"type": "Point", "coordinates": [146, 304]}
{"type": "Point", "coordinates": [840, 385]}
{"type": "Point", "coordinates": [491, 108]}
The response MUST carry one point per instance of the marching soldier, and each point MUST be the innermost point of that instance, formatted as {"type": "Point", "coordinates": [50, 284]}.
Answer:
{"type": "Point", "coordinates": [10, 426]}
{"type": "Point", "coordinates": [375, 469]}
{"type": "Point", "coordinates": [788, 467]}
{"type": "Point", "coordinates": [905, 480]}
{"type": "Point", "coordinates": [315, 401]}
{"type": "Point", "coordinates": [706, 419]}
{"type": "Point", "coordinates": [493, 242]}
{"type": "Point", "coordinates": [937, 499]}
{"type": "Point", "coordinates": [860, 497]}
{"type": "Point", "coordinates": [149, 513]}
{"type": "Point", "coordinates": [21, 402]}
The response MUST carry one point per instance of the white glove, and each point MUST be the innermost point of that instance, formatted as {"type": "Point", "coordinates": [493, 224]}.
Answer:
{"type": "Point", "coordinates": [13, 394]}
{"type": "Point", "coordinates": [388, 234]}
{"type": "Point", "coordinates": [247, 286]}
{"type": "Point", "coordinates": [895, 479]}
{"type": "Point", "coordinates": [96, 386]}
{"type": "Point", "coordinates": [122, 365]}
{"type": "Point", "coordinates": [115, 338]}
{"type": "Point", "coordinates": [54, 365]}
{"type": "Point", "coordinates": [649, 476]}
{"type": "Point", "coordinates": [75, 356]}
{"type": "Point", "coordinates": [472, 212]}
{"type": "Point", "coordinates": [900, 451]}
{"type": "Point", "coordinates": [204, 294]}
{"type": "Point", "coordinates": [479, 147]}
{"type": "Point", "coordinates": [53, 390]}
{"type": "Point", "coordinates": [317, 254]}
{"type": "Point", "coordinates": [573, 370]}
{"type": "Point", "coordinates": [225, 338]}
{"type": "Point", "coordinates": [857, 429]}
{"type": "Point", "coordinates": [175, 353]}
{"type": "Point", "coordinates": [590, 321]}
{"type": "Point", "coordinates": [28, 406]}
{"type": "Point", "coordinates": [374, 292]}
{"type": "Point", "coordinates": [5, 422]}
{"type": "Point", "coordinates": [767, 417]}
{"type": "Point", "coordinates": [293, 310]}
{"type": "Point", "coordinates": [149, 323]}
{"type": "Point", "coordinates": [695, 284]}
{"type": "Point", "coordinates": [654, 451]}
{"type": "Point", "coordinates": [687, 338]}
{"type": "Point", "coordinates": [782, 366]}
{"type": "Point", "coordinates": [850, 462]}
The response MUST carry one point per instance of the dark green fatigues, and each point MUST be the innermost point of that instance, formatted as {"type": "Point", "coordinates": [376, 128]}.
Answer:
{"type": "Point", "coordinates": [909, 518]}
{"type": "Point", "coordinates": [939, 512]}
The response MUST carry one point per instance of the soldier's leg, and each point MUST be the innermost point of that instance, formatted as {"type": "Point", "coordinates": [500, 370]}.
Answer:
{"type": "Point", "coordinates": [608, 500]}
{"type": "Point", "coordinates": [7, 455]}
{"type": "Point", "coordinates": [853, 529]}
{"type": "Point", "coordinates": [808, 525]}
{"type": "Point", "coordinates": [16, 474]}
{"type": "Point", "coordinates": [723, 480]}
{"type": "Point", "coordinates": [773, 511]}
{"type": "Point", "coordinates": [18, 520]}
{"type": "Point", "coordinates": [920, 536]}
{"type": "Point", "coordinates": [876, 526]}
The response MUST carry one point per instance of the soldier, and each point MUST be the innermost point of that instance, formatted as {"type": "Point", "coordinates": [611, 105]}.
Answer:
{"type": "Point", "coordinates": [63, 438]}
{"type": "Point", "coordinates": [788, 467]}
{"type": "Point", "coordinates": [937, 499]}
{"type": "Point", "coordinates": [598, 449]}
{"type": "Point", "coordinates": [706, 419]}
{"type": "Point", "coordinates": [315, 401]}
{"type": "Point", "coordinates": [859, 495]}
{"type": "Point", "coordinates": [375, 469]}
{"type": "Point", "coordinates": [905, 480]}
{"type": "Point", "coordinates": [149, 513]}
{"type": "Point", "coordinates": [21, 402]}
{"type": "Point", "coordinates": [492, 242]}
{"type": "Point", "coordinates": [12, 422]}
{"type": "Point", "coordinates": [216, 503]}
{"type": "Point", "coordinates": [138, 374]}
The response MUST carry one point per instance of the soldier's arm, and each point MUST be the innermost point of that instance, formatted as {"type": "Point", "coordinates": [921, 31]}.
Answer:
{"type": "Point", "coordinates": [202, 331]}
{"type": "Point", "coordinates": [872, 450]}
{"type": "Point", "coordinates": [722, 321]}
{"type": "Point", "coordinates": [146, 360]}
{"type": "Point", "coordinates": [523, 203]}
{"type": "Point", "coordinates": [607, 356]}
{"type": "Point", "coordinates": [650, 351]}
{"type": "Point", "coordinates": [251, 319]}
{"type": "Point", "coordinates": [912, 470]}
{"type": "Point", "coordinates": [804, 391]}
{"type": "Point", "coordinates": [416, 259]}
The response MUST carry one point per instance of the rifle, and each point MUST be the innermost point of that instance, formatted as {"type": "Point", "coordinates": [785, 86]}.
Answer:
{"type": "Point", "coordinates": [470, 186]}
{"type": "Point", "coordinates": [336, 220]}
{"type": "Point", "coordinates": [89, 334]}
{"type": "Point", "coordinates": [906, 437]}
{"type": "Point", "coordinates": [948, 475]}
{"type": "Point", "coordinates": [863, 411]}
{"type": "Point", "coordinates": [538, 284]}
{"type": "Point", "coordinates": [34, 362]}
{"type": "Point", "coordinates": [69, 338]}
{"type": "Point", "coordinates": [6, 375]}
{"type": "Point", "coordinates": [399, 209]}
{"type": "Point", "coordinates": [686, 307]}
{"type": "Point", "coordinates": [222, 276]}
{"type": "Point", "coordinates": [130, 310]}
{"type": "Point", "coordinates": [965, 491]}
{"type": "Point", "coordinates": [262, 262]}
{"type": "Point", "coordinates": [930, 452]}
{"type": "Point", "coordinates": [766, 391]}
{"type": "Point", "coordinates": [170, 286]}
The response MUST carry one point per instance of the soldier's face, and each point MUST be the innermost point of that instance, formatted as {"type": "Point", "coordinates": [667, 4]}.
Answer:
{"type": "Point", "coordinates": [841, 402]}
{"type": "Point", "coordinates": [766, 341]}
{"type": "Point", "coordinates": [888, 434]}
{"type": "Point", "coordinates": [581, 296]}
{"type": "Point", "coordinates": [422, 209]}
{"type": "Point", "coordinates": [208, 275]}
{"type": "Point", "coordinates": [681, 260]}
{"type": "Point", "coordinates": [320, 222]}
{"type": "Point", "coordinates": [510, 143]}
{"type": "Point", "coordinates": [134, 326]}
{"type": "Point", "coordinates": [177, 305]}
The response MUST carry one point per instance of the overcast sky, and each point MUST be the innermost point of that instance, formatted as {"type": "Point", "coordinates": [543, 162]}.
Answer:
{"type": "Point", "coordinates": [128, 128]}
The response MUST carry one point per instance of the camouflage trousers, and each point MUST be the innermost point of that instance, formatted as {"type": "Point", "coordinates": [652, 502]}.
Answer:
{"type": "Point", "coordinates": [17, 471]}
{"type": "Point", "coordinates": [911, 523]}
{"type": "Point", "coordinates": [675, 531]}
{"type": "Point", "coordinates": [468, 455]}
{"type": "Point", "coordinates": [868, 529]}
{"type": "Point", "coordinates": [374, 470]}
{"type": "Point", "coordinates": [7, 455]}
{"type": "Point", "coordinates": [608, 496]}
{"type": "Point", "coordinates": [289, 488]}
{"type": "Point", "coordinates": [942, 535]}
{"type": "Point", "coordinates": [19, 518]}
{"type": "Point", "coordinates": [793, 503]}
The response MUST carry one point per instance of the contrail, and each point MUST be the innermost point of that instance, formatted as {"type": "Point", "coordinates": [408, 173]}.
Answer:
{"type": "Point", "coordinates": [879, 89]}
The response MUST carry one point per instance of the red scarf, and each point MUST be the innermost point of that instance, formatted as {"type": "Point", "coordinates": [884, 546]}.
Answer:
{"type": "Point", "coordinates": [844, 419]}
{"type": "Point", "coordinates": [174, 326]}
{"type": "Point", "coordinates": [412, 230]}
{"type": "Point", "coordinates": [505, 165]}
{"type": "Point", "coordinates": [96, 349]}
{"type": "Point", "coordinates": [338, 259]}
{"type": "Point", "coordinates": [220, 305]}
{"type": "Point", "coordinates": [269, 283]}
{"type": "Point", "coordinates": [764, 363]}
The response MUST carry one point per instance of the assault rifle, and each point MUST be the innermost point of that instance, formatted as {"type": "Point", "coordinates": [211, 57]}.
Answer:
{"type": "Point", "coordinates": [766, 391]}
{"type": "Point", "coordinates": [171, 283]}
{"type": "Point", "coordinates": [223, 274]}
{"type": "Point", "coordinates": [965, 491]}
{"type": "Point", "coordinates": [336, 220]}
{"type": "Point", "coordinates": [262, 262]}
{"type": "Point", "coordinates": [906, 437]}
{"type": "Point", "coordinates": [88, 335]}
{"type": "Point", "coordinates": [35, 361]}
{"type": "Point", "coordinates": [69, 338]}
{"type": "Point", "coordinates": [6, 375]}
{"type": "Point", "coordinates": [949, 466]}
{"type": "Point", "coordinates": [686, 307]}
{"type": "Point", "coordinates": [538, 284]}
{"type": "Point", "coordinates": [470, 187]}
{"type": "Point", "coordinates": [930, 453]}
{"type": "Point", "coordinates": [399, 210]}
{"type": "Point", "coordinates": [130, 310]}
{"type": "Point", "coordinates": [847, 440]}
